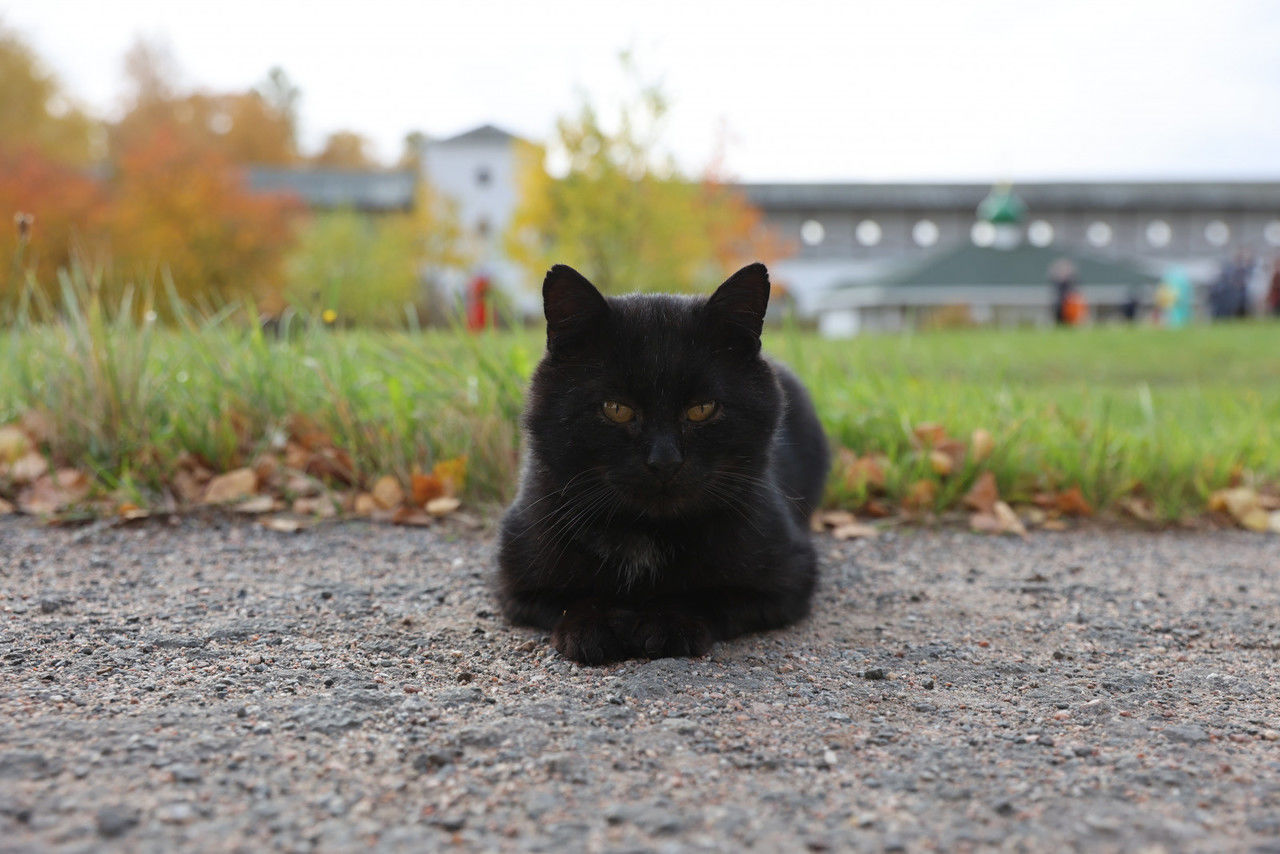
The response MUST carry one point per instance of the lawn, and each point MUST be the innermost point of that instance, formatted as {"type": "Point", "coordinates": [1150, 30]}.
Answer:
{"type": "Point", "coordinates": [1165, 415]}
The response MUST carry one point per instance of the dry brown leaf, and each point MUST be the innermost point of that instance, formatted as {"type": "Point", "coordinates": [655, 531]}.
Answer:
{"type": "Point", "coordinates": [981, 444]}
{"type": "Point", "coordinates": [28, 468]}
{"type": "Point", "coordinates": [836, 518]}
{"type": "Point", "coordinates": [14, 443]}
{"type": "Point", "coordinates": [815, 523]}
{"type": "Point", "coordinates": [232, 486]}
{"type": "Point", "coordinates": [1268, 502]}
{"type": "Point", "coordinates": [862, 473]}
{"type": "Point", "coordinates": [1243, 505]}
{"type": "Point", "coordinates": [1273, 522]}
{"type": "Point", "coordinates": [364, 505]}
{"type": "Point", "coordinates": [7, 509]}
{"type": "Point", "coordinates": [1071, 502]}
{"type": "Point", "coordinates": [877, 509]}
{"type": "Point", "coordinates": [282, 524]}
{"type": "Point", "coordinates": [331, 463]}
{"type": "Point", "coordinates": [1257, 520]}
{"type": "Point", "coordinates": [38, 424]}
{"type": "Point", "coordinates": [921, 495]}
{"type": "Point", "coordinates": [256, 504]}
{"type": "Point", "coordinates": [425, 487]}
{"type": "Point", "coordinates": [1001, 520]}
{"type": "Point", "coordinates": [266, 467]}
{"type": "Point", "coordinates": [296, 456]}
{"type": "Point", "coordinates": [929, 434]}
{"type": "Point", "coordinates": [130, 511]}
{"type": "Point", "coordinates": [854, 530]}
{"type": "Point", "coordinates": [320, 505]}
{"type": "Point", "coordinates": [407, 514]}
{"type": "Point", "coordinates": [443, 505]}
{"type": "Point", "coordinates": [941, 463]}
{"type": "Point", "coordinates": [387, 492]}
{"type": "Point", "coordinates": [1054, 525]}
{"type": "Point", "coordinates": [186, 487]}
{"type": "Point", "coordinates": [303, 486]}
{"type": "Point", "coordinates": [1139, 508]}
{"type": "Point", "coordinates": [53, 492]}
{"type": "Point", "coordinates": [984, 493]}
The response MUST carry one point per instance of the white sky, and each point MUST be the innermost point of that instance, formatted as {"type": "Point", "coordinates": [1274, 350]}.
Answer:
{"type": "Point", "coordinates": [981, 90]}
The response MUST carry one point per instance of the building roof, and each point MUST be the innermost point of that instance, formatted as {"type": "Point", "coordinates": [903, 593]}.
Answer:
{"type": "Point", "coordinates": [967, 264]}
{"type": "Point", "coordinates": [484, 133]}
{"type": "Point", "coordinates": [362, 190]}
{"type": "Point", "coordinates": [1090, 195]}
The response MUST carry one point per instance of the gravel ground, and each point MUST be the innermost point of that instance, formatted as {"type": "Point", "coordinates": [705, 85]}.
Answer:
{"type": "Point", "coordinates": [214, 685]}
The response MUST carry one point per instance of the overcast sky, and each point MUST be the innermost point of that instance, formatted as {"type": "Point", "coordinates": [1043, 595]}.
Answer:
{"type": "Point", "coordinates": [983, 90]}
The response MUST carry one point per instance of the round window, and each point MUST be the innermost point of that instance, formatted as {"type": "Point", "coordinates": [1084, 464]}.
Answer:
{"type": "Point", "coordinates": [868, 232]}
{"type": "Point", "coordinates": [1098, 233]}
{"type": "Point", "coordinates": [1040, 233]}
{"type": "Point", "coordinates": [812, 232]}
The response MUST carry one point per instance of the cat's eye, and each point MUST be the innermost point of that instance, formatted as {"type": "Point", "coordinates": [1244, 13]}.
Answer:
{"type": "Point", "coordinates": [701, 412]}
{"type": "Point", "coordinates": [619, 413]}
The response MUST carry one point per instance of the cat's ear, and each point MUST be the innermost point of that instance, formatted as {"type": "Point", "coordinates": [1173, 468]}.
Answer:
{"type": "Point", "coordinates": [573, 306]}
{"type": "Point", "coordinates": [736, 310]}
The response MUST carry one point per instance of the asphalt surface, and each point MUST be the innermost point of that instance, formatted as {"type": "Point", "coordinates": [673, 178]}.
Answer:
{"type": "Point", "coordinates": [212, 685]}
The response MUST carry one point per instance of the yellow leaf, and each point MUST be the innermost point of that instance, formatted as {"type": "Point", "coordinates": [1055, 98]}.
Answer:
{"type": "Point", "coordinates": [443, 506]}
{"type": "Point", "coordinates": [14, 443]}
{"type": "Point", "coordinates": [981, 444]}
{"type": "Point", "coordinates": [452, 473]}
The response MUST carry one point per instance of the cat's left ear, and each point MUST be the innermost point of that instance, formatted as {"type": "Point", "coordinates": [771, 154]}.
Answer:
{"type": "Point", "coordinates": [736, 309]}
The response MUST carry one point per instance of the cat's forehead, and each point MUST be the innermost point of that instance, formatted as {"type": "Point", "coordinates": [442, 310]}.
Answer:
{"type": "Point", "coordinates": [657, 344]}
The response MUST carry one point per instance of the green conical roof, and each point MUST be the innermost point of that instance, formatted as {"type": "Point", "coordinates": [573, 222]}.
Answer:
{"type": "Point", "coordinates": [1002, 206]}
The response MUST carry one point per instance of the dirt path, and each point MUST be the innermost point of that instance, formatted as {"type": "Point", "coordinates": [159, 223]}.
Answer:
{"type": "Point", "coordinates": [213, 685]}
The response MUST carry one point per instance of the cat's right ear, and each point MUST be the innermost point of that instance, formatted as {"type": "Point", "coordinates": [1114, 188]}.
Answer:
{"type": "Point", "coordinates": [573, 306]}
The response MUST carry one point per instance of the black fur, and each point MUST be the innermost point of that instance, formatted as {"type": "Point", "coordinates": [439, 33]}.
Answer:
{"type": "Point", "coordinates": [607, 547]}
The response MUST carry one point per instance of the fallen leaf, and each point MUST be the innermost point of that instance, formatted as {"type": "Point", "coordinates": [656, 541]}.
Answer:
{"type": "Point", "coordinates": [14, 443]}
{"type": "Point", "coordinates": [941, 463]}
{"type": "Point", "coordinates": [232, 486]}
{"type": "Point", "coordinates": [815, 523]}
{"type": "Point", "coordinates": [28, 468]}
{"type": "Point", "coordinates": [38, 424]}
{"type": "Point", "coordinates": [130, 511]}
{"type": "Point", "coordinates": [877, 509]}
{"type": "Point", "coordinates": [256, 504]}
{"type": "Point", "coordinates": [296, 456]}
{"type": "Point", "coordinates": [443, 506]}
{"type": "Point", "coordinates": [836, 518]}
{"type": "Point", "coordinates": [282, 524]}
{"type": "Point", "coordinates": [187, 487]}
{"type": "Point", "coordinates": [929, 434]}
{"type": "Point", "coordinates": [364, 505]}
{"type": "Point", "coordinates": [53, 492]}
{"type": "Point", "coordinates": [921, 495]}
{"type": "Point", "coordinates": [981, 444]}
{"type": "Point", "coordinates": [425, 487]}
{"type": "Point", "coordinates": [1139, 508]}
{"type": "Point", "coordinates": [7, 509]}
{"type": "Point", "coordinates": [1071, 502]}
{"type": "Point", "coordinates": [984, 493]}
{"type": "Point", "coordinates": [303, 486]}
{"type": "Point", "coordinates": [1054, 525]}
{"type": "Point", "coordinates": [1257, 520]}
{"type": "Point", "coordinates": [1273, 522]}
{"type": "Point", "coordinates": [266, 468]}
{"type": "Point", "coordinates": [1243, 505]}
{"type": "Point", "coordinates": [862, 473]}
{"type": "Point", "coordinates": [413, 516]}
{"type": "Point", "coordinates": [1001, 520]}
{"type": "Point", "coordinates": [333, 464]}
{"type": "Point", "coordinates": [954, 449]}
{"type": "Point", "coordinates": [854, 530]}
{"type": "Point", "coordinates": [387, 492]}
{"type": "Point", "coordinates": [319, 505]}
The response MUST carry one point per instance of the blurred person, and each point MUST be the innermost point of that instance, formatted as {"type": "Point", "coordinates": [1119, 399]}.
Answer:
{"type": "Point", "coordinates": [1228, 297]}
{"type": "Point", "coordinates": [1174, 298]}
{"type": "Point", "coordinates": [1132, 305]}
{"type": "Point", "coordinates": [1063, 277]}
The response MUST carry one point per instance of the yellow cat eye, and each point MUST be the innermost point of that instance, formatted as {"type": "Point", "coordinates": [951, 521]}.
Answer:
{"type": "Point", "coordinates": [619, 413]}
{"type": "Point", "coordinates": [701, 412]}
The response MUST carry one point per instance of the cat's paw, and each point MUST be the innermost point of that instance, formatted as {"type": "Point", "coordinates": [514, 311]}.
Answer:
{"type": "Point", "coordinates": [667, 634]}
{"type": "Point", "coordinates": [591, 633]}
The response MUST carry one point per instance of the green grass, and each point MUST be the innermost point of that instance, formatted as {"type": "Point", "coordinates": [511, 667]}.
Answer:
{"type": "Point", "coordinates": [1175, 414]}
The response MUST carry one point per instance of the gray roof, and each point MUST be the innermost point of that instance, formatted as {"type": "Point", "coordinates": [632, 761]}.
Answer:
{"type": "Point", "coordinates": [1090, 195]}
{"type": "Point", "coordinates": [484, 133]}
{"type": "Point", "coordinates": [966, 264]}
{"type": "Point", "coordinates": [362, 190]}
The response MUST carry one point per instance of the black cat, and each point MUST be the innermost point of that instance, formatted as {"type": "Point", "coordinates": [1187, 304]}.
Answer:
{"type": "Point", "coordinates": [669, 474]}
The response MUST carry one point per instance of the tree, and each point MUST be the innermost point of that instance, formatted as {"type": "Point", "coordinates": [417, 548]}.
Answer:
{"type": "Point", "coordinates": [623, 214]}
{"type": "Point", "coordinates": [36, 114]}
{"type": "Point", "coordinates": [182, 206]}
{"type": "Point", "coordinates": [345, 149]}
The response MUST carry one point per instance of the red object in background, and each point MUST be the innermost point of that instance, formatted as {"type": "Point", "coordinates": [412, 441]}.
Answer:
{"type": "Point", "coordinates": [478, 303]}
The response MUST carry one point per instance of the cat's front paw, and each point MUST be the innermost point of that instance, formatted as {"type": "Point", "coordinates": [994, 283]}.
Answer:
{"type": "Point", "coordinates": [591, 632]}
{"type": "Point", "coordinates": [668, 634]}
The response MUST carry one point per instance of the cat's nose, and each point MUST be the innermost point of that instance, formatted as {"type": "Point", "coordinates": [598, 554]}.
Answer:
{"type": "Point", "coordinates": [664, 458]}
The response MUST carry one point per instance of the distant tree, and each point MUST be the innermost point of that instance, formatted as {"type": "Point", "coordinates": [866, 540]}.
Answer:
{"type": "Point", "coordinates": [36, 113]}
{"type": "Point", "coordinates": [182, 206]}
{"type": "Point", "coordinates": [368, 270]}
{"type": "Point", "coordinates": [345, 149]}
{"type": "Point", "coordinates": [411, 151]}
{"type": "Point", "coordinates": [623, 213]}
